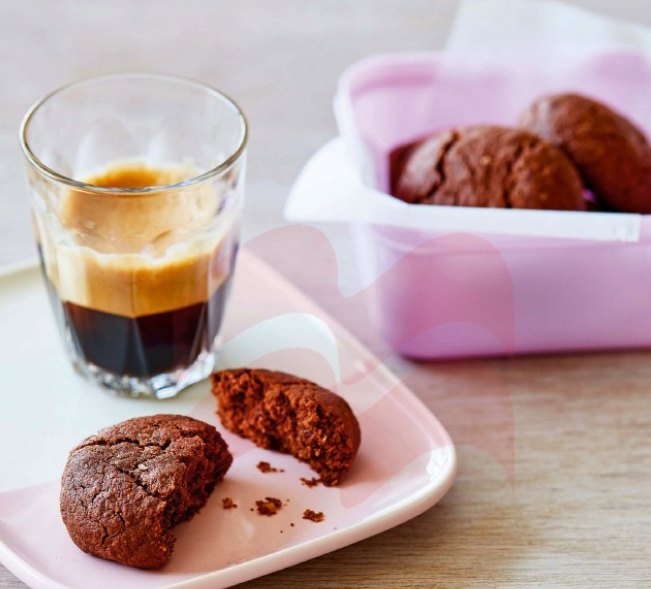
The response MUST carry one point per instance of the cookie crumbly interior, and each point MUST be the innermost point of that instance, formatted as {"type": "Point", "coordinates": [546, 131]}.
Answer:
{"type": "Point", "coordinates": [290, 415]}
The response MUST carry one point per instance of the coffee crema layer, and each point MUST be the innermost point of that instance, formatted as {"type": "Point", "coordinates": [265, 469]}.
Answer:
{"type": "Point", "coordinates": [135, 285]}
{"type": "Point", "coordinates": [139, 253]}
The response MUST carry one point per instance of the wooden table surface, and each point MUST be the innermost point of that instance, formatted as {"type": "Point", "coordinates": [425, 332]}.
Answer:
{"type": "Point", "coordinates": [554, 485]}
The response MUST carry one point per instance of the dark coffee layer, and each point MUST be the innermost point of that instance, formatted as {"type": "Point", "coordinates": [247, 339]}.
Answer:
{"type": "Point", "coordinates": [148, 345]}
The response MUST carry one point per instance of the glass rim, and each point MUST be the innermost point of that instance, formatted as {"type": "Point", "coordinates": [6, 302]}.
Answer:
{"type": "Point", "coordinates": [35, 161]}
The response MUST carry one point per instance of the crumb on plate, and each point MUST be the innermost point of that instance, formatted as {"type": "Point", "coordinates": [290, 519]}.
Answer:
{"type": "Point", "coordinates": [269, 506]}
{"type": "Point", "coordinates": [313, 516]}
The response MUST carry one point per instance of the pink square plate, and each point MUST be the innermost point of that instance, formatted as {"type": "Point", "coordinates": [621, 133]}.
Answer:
{"type": "Point", "coordinates": [405, 465]}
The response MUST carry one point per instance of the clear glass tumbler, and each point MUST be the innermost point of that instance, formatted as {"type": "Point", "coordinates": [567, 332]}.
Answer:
{"type": "Point", "coordinates": [137, 185]}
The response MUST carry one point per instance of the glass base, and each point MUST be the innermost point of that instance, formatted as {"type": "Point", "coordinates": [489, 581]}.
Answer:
{"type": "Point", "coordinates": [160, 386]}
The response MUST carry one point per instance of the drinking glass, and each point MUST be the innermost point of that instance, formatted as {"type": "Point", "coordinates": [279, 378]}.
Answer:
{"type": "Point", "coordinates": [136, 186]}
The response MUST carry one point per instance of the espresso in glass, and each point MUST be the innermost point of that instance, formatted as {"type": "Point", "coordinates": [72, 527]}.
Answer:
{"type": "Point", "coordinates": [138, 252]}
{"type": "Point", "coordinates": [148, 314]}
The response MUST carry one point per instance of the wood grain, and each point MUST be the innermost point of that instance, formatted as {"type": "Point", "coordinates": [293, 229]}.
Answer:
{"type": "Point", "coordinates": [554, 487]}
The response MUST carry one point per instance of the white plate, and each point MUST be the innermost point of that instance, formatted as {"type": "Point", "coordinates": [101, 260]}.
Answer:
{"type": "Point", "coordinates": [405, 465]}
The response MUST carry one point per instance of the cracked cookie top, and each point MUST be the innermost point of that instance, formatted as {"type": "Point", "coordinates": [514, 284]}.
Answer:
{"type": "Point", "coordinates": [488, 166]}
{"type": "Point", "coordinates": [124, 488]}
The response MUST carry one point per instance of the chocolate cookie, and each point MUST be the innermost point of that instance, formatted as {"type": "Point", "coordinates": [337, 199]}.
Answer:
{"type": "Point", "coordinates": [124, 488]}
{"type": "Point", "coordinates": [610, 152]}
{"type": "Point", "coordinates": [289, 414]}
{"type": "Point", "coordinates": [487, 166]}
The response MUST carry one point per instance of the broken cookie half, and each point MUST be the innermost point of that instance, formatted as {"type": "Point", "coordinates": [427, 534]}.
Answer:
{"type": "Point", "coordinates": [288, 414]}
{"type": "Point", "coordinates": [126, 487]}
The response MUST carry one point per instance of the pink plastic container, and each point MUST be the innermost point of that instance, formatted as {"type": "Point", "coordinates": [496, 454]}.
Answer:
{"type": "Point", "coordinates": [452, 294]}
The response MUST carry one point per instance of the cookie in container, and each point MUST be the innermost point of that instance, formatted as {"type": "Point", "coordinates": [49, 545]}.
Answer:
{"type": "Point", "coordinates": [450, 281]}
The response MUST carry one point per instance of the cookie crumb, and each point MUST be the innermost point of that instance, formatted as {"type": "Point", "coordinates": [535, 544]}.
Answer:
{"type": "Point", "coordinates": [268, 506]}
{"type": "Point", "coordinates": [227, 503]}
{"type": "Point", "coordinates": [314, 516]}
{"type": "Point", "coordinates": [313, 482]}
{"type": "Point", "coordinates": [265, 467]}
